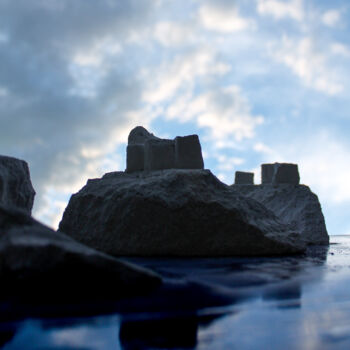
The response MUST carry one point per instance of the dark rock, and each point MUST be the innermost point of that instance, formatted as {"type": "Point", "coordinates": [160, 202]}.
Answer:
{"type": "Point", "coordinates": [244, 178]}
{"type": "Point", "coordinates": [173, 213]}
{"type": "Point", "coordinates": [16, 189]}
{"type": "Point", "coordinates": [148, 152]}
{"type": "Point", "coordinates": [135, 158]}
{"type": "Point", "coordinates": [295, 205]}
{"type": "Point", "coordinates": [188, 152]}
{"type": "Point", "coordinates": [36, 261]}
{"type": "Point", "coordinates": [139, 135]}
{"type": "Point", "coordinates": [159, 154]}
{"type": "Point", "coordinates": [280, 173]}
{"type": "Point", "coordinates": [162, 333]}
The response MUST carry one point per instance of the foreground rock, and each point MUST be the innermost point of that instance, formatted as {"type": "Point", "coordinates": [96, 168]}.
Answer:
{"type": "Point", "coordinates": [15, 186]}
{"type": "Point", "coordinates": [173, 213]}
{"type": "Point", "coordinates": [36, 261]}
{"type": "Point", "coordinates": [292, 203]}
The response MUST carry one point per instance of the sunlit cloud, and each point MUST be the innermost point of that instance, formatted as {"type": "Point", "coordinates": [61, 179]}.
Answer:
{"type": "Point", "coordinates": [223, 17]}
{"type": "Point", "coordinates": [174, 34]}
{"type": "Point", "coordinates": [340, 49]}
{"type": "Point", "coordinates": [73, 86]}
{"type": "Point", "coordinates": [282, 9]}
{"type": "Point", "coordinates": [3, 38]}
{"type": "Point", "coordinates": [225, 112]}
{"type": "Point", "coordinates": [308, 63]}
{"type": "Point", "coordinates": [3, 92]}
{"type": "Point", "coordinates": [227, 163]}
{"type": "Point", "coordinates": [322, 163]}
{"type": "Point", "coordinates": [181, 73]}
{"type": "Point", "coordinates": [331, 18]}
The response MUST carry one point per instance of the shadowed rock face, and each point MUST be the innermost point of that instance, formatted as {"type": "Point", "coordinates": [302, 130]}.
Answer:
{"type": "Point", "coordinates": [37, 262]}
{"type": "Point", "coordinates": [188, 152]}
{"type": "Point", "coordinates": [244, 178]}
{"type": "Point", "coordinates": [159, 154]}
{"type": "Point", "coordinates": [295, 205]}
{"type": "Point", "coordinates": [280, 173]}
{"type": "Point", "coordinates": [292, 203]}
{"type": "Point", "coordinates": [16, 189]}
{"type": "Point", "coordinates": [173, 213]}
{"type": "Point", "coordinates": [139, 135]}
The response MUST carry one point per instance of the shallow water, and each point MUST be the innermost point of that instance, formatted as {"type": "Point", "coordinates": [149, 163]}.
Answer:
{"type": "Point", "coordinates": [229, 303]}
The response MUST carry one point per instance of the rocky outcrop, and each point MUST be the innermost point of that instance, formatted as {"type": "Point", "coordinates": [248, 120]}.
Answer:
{"type": "Point", "coordinates": [173, 213]}
{"type": "Point", "coordinates": [16, 189]}
{"type": "Point", "coordinates": [148, 152]}
{"type": "Point", "coordinates": [37, 262]}
{"type": "Point", "coordinates": [295, 205]}
{"type": "Point", "coordinates": [292, 203]}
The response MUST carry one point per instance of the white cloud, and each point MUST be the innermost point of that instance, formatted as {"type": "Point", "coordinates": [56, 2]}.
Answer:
{"type": "Point", "coordinates": [224, 111]}
{"type": "Point", "coordinates": [308, 63]}
{"type": "Point", "coordinates": [98, 53]}
{"type": "Point", "coordinates": [223, 177]}
{"type": "Point", "coordinates": [323, 164]}
{"type": "Point", "coordinates": [74, 85]}
{"type": "Point", "coordinates": [3, 92]}
{"type": "Point", "coordinates": [85, 78]}
{"type": "Point", "coordinates": [51, 213]}
{"type": "Point", "coordinates": [68, 91]}
{"type": "Point", "coordinates": [262, 148]}
{"type": "Point", "coordinates": [174, 34]}
{"type": "Point", "coordinates": [340, 49]}
{"type": "Point", "coordinates": [182, 72]}
{"type": "Point", "coordinates": [282, 9]}
{"type": "Point", "coordinates": [331, 18]}
{"type": "Point", "coordinates": [89, 66]}
{"type": "Point", "coordinates": [223, 18]}
{"type": "Point", "coordinates": [227, 163]}
{"type": "Point", "coordinates": [3, 38]}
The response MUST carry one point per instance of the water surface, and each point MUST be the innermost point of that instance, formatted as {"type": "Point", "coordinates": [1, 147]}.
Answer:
{"type": "Point", "coordinates": [227, 303]}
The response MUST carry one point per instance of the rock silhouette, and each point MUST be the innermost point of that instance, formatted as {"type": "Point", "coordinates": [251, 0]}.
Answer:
{"type": "Point", "coordinates": [37, 262]}
{"type": "Point", "coordinates": [148, 152]}
{"type": "Point", "coordinates": [244, 178]}
{"type": "Point", "coordinates": [280, 173]}
{"type": "Point", "coordinates": [172, 212]}
{"type": "Point", "coordinates": [16, 189]}
{"type": "Point", "coordinates": [291, 202]}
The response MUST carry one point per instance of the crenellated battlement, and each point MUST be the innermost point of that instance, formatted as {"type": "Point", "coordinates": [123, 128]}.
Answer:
{"type": "Point", "coordinates": [148, 152]}
{"type": "Point", "coordinates": [273, 173]}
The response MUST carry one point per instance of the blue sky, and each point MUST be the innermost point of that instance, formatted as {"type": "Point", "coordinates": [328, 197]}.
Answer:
{"type": "Point", "coordinates": [258, 81]}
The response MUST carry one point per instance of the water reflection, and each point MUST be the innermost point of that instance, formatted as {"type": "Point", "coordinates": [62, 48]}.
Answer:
{"type": "Point", "coordinates": [287, 296]}
{"type": "Point", "coordinates": [159, 333]}
{"type": "Point", "coordinates": [208, 282]}
{"type": "Point", "coordinates": [238, 294]}
{"type": "Point", "coordinates": [172, 331]}
{"type": "Point", "coordinates": [6, 336]}
{"type": "Point", "coordinates": [234, 280]}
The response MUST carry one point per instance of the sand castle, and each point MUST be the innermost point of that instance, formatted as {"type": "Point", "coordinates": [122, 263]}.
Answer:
{"type": "Point", "coordinates": [276, 173]}
{"type": "Point", "coordinates": [148, 152]}
{"type": "Point", "coordinates": [294, 204]}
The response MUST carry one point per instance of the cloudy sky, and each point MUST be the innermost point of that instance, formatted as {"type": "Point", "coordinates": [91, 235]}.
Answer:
{"type": "Point", "coordinates": [257, 80]}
